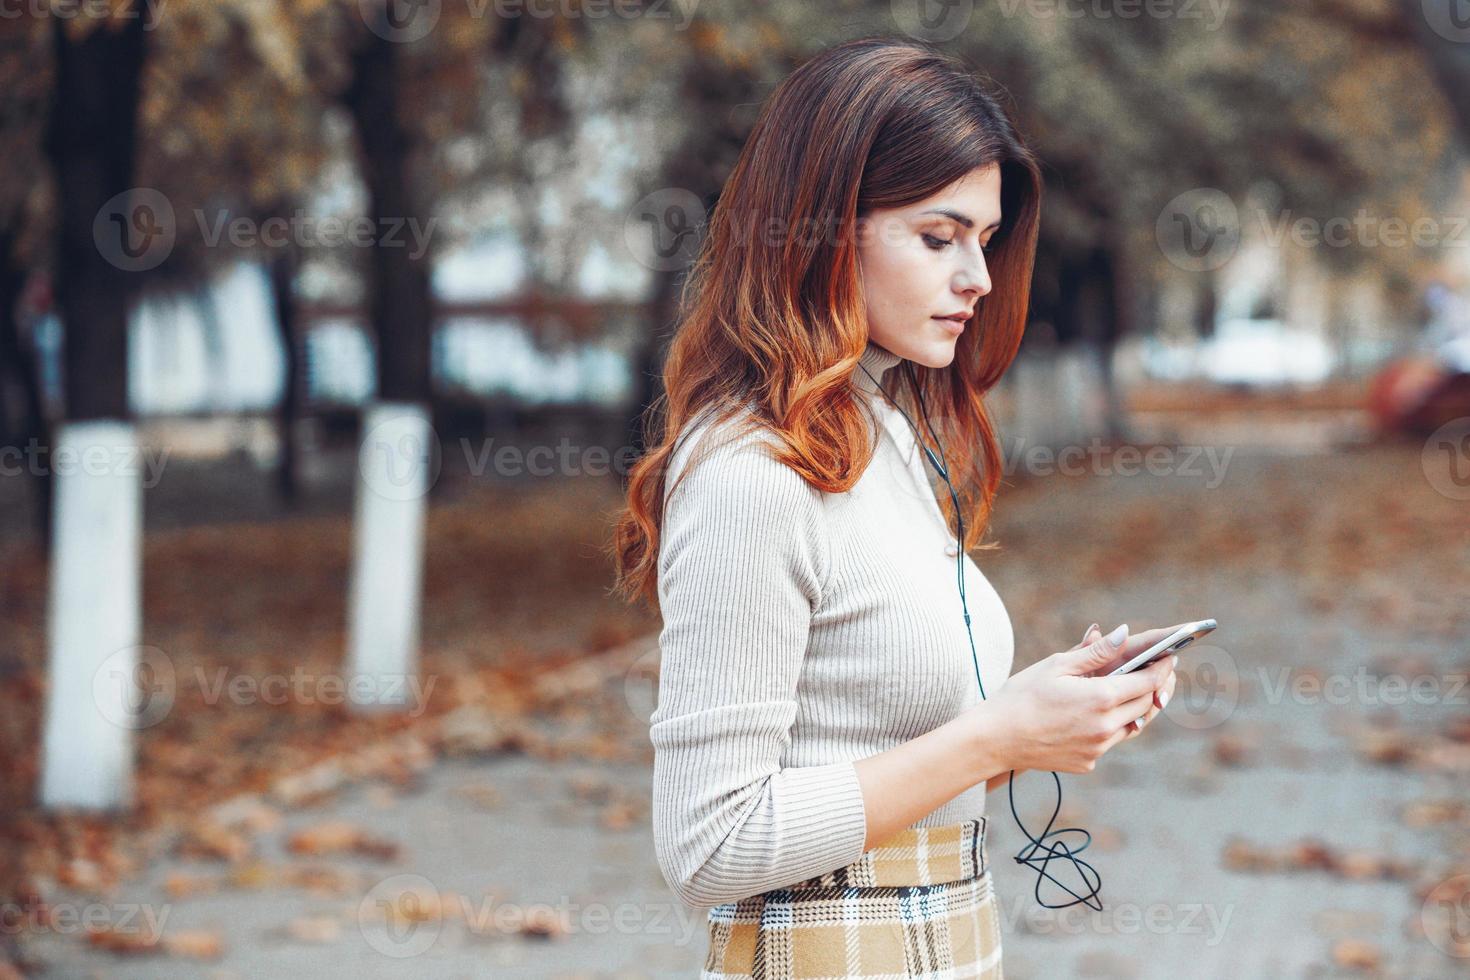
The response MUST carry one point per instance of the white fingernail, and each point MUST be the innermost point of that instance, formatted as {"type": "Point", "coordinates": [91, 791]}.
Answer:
{"type": "Point", "coordinates": [1163, 700]}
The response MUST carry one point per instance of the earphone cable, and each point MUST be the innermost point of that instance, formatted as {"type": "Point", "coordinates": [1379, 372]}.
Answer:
{"type": "Point", "coordinates": [1031, 855]}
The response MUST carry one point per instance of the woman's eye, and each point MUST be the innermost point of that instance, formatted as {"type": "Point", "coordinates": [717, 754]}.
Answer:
{"type": "Point", "coordinates": [936, 243]}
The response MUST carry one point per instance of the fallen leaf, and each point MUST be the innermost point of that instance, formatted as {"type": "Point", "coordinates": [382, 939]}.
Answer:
{"type": "Point", "coordinates": [1356, 954]}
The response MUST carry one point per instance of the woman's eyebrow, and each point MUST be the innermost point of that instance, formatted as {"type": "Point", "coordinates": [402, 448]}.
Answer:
{"type": "Point", "coordinates": [962, 219]}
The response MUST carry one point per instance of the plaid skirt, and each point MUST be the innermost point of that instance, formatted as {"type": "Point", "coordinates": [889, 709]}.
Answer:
{"type": "Point", "coordinates": [918, 905]}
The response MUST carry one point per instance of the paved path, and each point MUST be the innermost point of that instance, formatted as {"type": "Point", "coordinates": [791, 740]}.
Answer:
{"type": "Point", "coordinates": [1248, 751]}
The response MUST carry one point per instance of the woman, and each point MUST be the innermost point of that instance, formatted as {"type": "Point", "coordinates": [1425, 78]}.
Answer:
{"type": "Point", "coordinates": [830, 709]}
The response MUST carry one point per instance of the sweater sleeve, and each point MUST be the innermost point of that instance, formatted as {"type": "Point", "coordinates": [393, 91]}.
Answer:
{"type": "Point", "coordinates": [743, 556]}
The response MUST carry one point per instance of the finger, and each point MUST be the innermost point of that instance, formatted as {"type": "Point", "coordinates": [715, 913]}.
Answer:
{"type": "Point", "coordinates": [1130, 729]}
{"type": "Point", "coordinates": [1129, 710]}
{"type": "Point", "coordinates": [1088, 635]}
{"type": "Point", "coordinates": [1101, 651]}
{"type": "Point", "coordinates": [1164, 692]}
{"type": "Point", "coordinates": [1147, 717]}
{"type": "Point", "coordinates": [1139, 642]}
{"type": "Point", "coordinates": [1140, 683]}
{"type": "Point", "coordinates": [1132, 646]}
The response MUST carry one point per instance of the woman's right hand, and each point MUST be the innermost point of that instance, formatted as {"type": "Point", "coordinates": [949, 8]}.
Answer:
{"type": "Point", "coordinates": [1054, 716]}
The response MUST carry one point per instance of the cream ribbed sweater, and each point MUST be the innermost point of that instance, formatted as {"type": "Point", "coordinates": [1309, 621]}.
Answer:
{"type": "Point", "coordinates": [802, 631]}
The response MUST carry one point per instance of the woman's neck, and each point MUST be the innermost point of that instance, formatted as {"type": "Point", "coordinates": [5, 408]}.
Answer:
{"type": "Point", "coordinates": [873, 364]}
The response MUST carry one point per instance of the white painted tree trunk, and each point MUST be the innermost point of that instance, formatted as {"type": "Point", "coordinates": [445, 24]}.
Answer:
{"type": "Point", "coordinates": [397, 463]}
{"type": "Point", "coordinates": [95, 698]}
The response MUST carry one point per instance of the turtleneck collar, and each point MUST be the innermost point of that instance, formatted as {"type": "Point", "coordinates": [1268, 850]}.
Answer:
{"type": "Point", "coordinates": [877, 360]}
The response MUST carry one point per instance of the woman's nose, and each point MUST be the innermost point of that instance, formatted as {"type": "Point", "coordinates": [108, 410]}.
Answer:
{"type": "Point", "coordinates": [974, 280]}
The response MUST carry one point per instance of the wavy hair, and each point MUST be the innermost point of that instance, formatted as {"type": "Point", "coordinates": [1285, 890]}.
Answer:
{"type": "Point", "coordinates": [772, 318]}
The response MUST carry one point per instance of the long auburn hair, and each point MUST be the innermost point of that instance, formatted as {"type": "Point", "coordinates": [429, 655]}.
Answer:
{"type": "Point", "coordinates": [776, 324]}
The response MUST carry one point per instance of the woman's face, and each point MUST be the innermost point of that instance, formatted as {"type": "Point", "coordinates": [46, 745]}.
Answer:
{"type": "Point", "coordinates": [924, 262]}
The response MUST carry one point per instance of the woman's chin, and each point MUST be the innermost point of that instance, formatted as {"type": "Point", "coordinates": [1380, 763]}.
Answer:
{"type": "Point", "coordinates": [936, 354]}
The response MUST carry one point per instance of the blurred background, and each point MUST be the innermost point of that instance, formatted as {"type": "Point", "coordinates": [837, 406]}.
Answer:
{"type": "Point", "coordinates": [325, 331]}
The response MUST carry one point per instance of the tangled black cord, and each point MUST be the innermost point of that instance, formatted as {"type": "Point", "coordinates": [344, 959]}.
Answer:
{"type": "Point", "coordinates": [1038, 854]}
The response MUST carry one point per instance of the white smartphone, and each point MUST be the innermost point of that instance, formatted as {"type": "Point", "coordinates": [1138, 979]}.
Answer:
{"type": "Point", "coordinates": [1174, 642]}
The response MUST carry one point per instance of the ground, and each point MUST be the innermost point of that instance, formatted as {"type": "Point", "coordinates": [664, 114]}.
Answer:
{"type": "Point", "coordinates": [1300, 809]}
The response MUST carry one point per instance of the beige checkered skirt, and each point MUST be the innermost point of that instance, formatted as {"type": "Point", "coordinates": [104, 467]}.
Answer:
{"type": "Point", "coordinates": [918, 905]}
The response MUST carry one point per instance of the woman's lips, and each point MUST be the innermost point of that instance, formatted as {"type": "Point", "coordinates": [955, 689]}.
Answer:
{"type": "Point", "coordinates": [952, 324]}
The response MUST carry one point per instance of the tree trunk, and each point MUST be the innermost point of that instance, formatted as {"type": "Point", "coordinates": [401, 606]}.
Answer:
{"type": "Point", "coordinates": [1115, 314]}
{"type": "Point", "coordinates": [400, 298]}
{"type": "Point", "coordinates": [398, 456]}
{"type": "Point", "coordinates": [91, 140]}
{"type": "Point", "coordinates": [30, 428]}
{"type": "Point", "coordinates": [1449, 60]}
{"type": "Point", "coordinates": [284, 266]}
{"type": "Point", "coordinates": [100, 689]}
